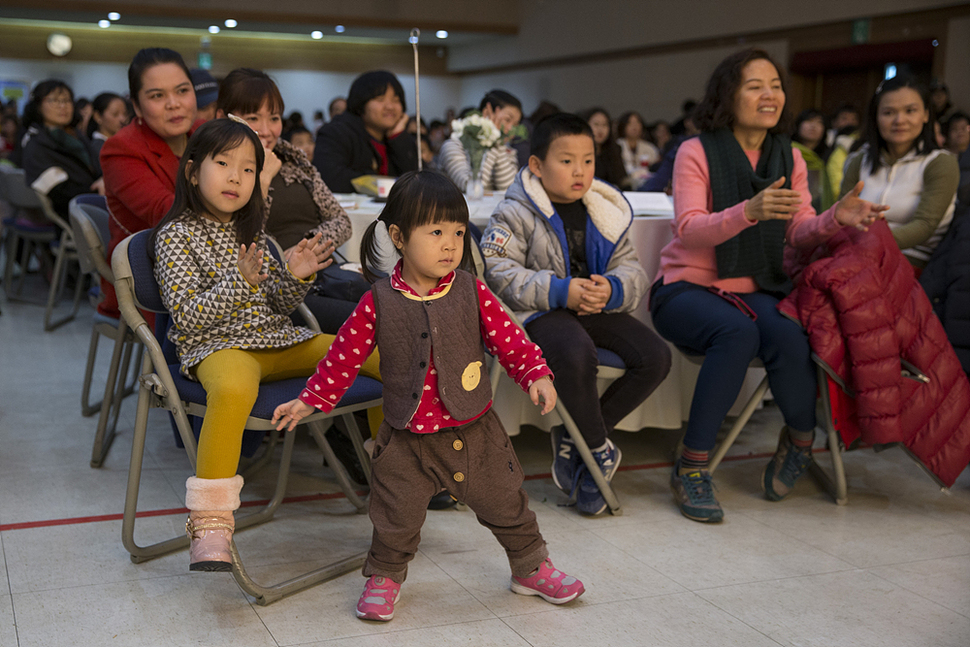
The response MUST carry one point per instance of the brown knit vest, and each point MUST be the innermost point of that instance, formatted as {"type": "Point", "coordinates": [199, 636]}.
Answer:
{"type": "Point", "coordinates": [408, 331]}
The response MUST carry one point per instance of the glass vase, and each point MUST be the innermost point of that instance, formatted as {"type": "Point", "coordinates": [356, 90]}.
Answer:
{"type": "Point", "coordinates": [474, 190]}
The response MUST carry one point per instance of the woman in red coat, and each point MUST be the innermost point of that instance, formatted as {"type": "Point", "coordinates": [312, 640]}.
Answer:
{"type": "Point", "coordinates": [141, 161]}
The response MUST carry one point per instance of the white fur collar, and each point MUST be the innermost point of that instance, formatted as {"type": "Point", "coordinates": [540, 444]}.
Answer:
{"type": "Point", "coordinates": [607, 207]}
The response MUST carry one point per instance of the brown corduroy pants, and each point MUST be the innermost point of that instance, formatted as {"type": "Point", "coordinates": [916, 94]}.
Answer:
{"type": "Point", "coordinates": [476, 464]}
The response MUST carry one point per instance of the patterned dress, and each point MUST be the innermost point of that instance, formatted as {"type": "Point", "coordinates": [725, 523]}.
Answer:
{"type": "Point", "coordinates": [212, 305]}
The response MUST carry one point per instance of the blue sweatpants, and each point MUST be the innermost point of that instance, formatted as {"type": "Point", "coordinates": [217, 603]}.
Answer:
{"type": "Point", "coordinates": [703, 323]}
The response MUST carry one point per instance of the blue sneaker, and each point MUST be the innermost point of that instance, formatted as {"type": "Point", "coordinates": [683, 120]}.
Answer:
{"type": "Point", "coordinates": [785, 467]}
{"type": "Point", "coordinates": [694, 494]}
{"type": "Point", "coordinates": [565, 459]}
{"type": "Point", "coordinates": [589, 499]}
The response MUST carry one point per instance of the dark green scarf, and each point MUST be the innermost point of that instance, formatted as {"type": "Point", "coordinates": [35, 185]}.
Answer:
{"type": "Point", "coordinates": [72, 145]}
{"type": "Point", "coordinates": [757, 251]}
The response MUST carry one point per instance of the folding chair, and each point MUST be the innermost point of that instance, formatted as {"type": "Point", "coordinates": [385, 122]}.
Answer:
{"type": "Point", "coordinates": [161, 386]}
{"type": "Point", "coordinates": [64, 253]}
{"type": "Point", "coordinates": [22, 230]}
{"type": "Point", "coordinates": [89, 223]}
{"type": "Point", "coordinates": [610, 366]}
{"type": "Point", "coordinates": [834, 484]}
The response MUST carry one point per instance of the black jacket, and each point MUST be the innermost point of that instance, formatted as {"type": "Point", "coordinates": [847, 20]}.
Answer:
{"type": "Point", "coordinates": [344, 151]}
{"type": "Point", "coordinates": [946, 280]}
{"type": "Point", "coordinates": [41, 152]}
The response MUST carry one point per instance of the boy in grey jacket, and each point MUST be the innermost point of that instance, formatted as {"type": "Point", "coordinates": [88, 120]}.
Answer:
{"type": "Point", "coordinates": [557, 252]}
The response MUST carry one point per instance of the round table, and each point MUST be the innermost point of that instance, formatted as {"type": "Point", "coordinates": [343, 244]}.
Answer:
{"type": "Point", "coordinates": [651, 230]}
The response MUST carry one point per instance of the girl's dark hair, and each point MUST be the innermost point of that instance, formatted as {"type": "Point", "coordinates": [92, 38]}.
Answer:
{"type": "Point", "coordinates": [99, 105]}
{"type": "Point", "coordinates": [210, 139]}
{"type": "Point", "coordinates": [552, 128]}
{"type": "Point", "coordinates": [292, 132]}
{"type": "Point", "coordinates": [498, 99]}
{"type": "Point", "coordinates": [418, 198]}
{"type": "Point", "coordinates": [807, 115]}
{"type": "Point", "coordinates": [244, 90]}
{"type": "Point", "coordinates": [716, 109]}
{"type": "Point", "coordinates": [32, 113]}
{"type": "Point", "coordinates": [926, 141]}
{"type": "Point", "coordinates": [148, 58]}
{"type": "Point", "coordinates": [371, 85]}
{"type": "Point", "coordinates": [610, 141]}
{"type": "Point", "coordinates": [624, 120]}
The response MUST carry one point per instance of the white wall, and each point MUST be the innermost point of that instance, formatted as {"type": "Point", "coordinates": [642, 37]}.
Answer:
{"type": "Point", "coordinates": [654, 86]}
{"type": "Point", "coordinates": [302, 90]}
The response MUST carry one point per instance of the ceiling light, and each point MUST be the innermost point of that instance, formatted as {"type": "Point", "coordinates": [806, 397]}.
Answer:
{"type": "Point", "coordinates": [104, 24]}
{"type": "Point", "coordinates": [114, 15]}
{"type": "Point", "coordinates": [340, 29]}
{"type": "Point", "coordinates": [213, 29]}
{"type": "Point", "coordinates": [441, 33]}
{"type": "Point", "coordinates": [230, 23]}
{"type": "Point", "coordinates": [316, 35]}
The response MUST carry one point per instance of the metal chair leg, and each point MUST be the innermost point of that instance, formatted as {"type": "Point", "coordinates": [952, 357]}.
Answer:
{"type": "Point", "coordinates": [65, 253]}
{"type": "Point", "coordinates": [742, 420]}
{"type": "Point", "coordinates": [103, 438]}
{"type": "Point", "coordinates": [836, 483]}
{"type": "Point", "coordinates": [87, 407]}
{"type": "Point", "coordinates": [318, 431]}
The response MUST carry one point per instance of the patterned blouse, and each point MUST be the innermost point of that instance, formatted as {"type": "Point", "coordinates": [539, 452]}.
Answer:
{"type": "Point", "coordinates": [334, 223]}
{"type": "Point", "coordinates": [212, 305]}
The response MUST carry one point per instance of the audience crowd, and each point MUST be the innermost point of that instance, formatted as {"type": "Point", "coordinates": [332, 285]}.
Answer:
{"type": "Point", "coordinates": [751, 187]}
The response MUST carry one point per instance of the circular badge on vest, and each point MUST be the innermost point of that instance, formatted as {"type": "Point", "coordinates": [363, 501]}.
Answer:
{"type": "Point", "coordinates": [471, 376]}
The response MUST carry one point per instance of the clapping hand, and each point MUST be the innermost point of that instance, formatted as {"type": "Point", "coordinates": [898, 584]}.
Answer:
{"type": "Point", "coordinates": [250, 264]}
{"type": "Point", "coordinates": [309, 256]}
{"type": "Point", "coordinates": [774, 203]}
{"type": "Point", "coordinates": [542, 389]}
{"type": "Point", "coordinates": [853, 211]}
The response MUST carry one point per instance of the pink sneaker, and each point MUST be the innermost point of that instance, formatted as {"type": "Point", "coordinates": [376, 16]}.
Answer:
{"type": "Point", "coordinates": [549, 583]}
{"type": "Point", "coordinates": [377, 600]}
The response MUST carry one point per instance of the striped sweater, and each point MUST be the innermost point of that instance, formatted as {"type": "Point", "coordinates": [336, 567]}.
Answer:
{"type": "Point", "coordinates": [499, 166]}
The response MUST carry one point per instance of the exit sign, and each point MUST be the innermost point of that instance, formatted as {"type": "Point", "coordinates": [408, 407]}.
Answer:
{"type": "Point", "coordinates": [860, 31]}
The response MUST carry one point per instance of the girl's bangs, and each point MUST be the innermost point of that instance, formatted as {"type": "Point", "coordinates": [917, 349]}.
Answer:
{"type": "Point", "coordinates": [450, 207]}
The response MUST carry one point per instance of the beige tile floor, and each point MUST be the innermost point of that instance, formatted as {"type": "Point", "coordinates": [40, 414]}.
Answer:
{"type": "Point", "coordinates": [892, 568]}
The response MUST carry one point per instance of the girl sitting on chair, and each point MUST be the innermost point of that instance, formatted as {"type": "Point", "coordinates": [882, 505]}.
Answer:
{"type": "Point", "coordinates": [229, 300]}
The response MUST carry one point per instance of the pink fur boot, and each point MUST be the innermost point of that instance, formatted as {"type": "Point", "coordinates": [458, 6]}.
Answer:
{"type": "Point", "coordinates": [211, 503]}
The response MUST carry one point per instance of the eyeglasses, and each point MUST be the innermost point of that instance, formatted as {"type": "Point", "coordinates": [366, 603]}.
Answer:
{"type": "Point", "coordinates": [61, 101]}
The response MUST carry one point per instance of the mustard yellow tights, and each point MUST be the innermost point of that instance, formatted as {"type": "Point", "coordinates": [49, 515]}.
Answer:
{"type": "Point", "coordinates": [231, 380]}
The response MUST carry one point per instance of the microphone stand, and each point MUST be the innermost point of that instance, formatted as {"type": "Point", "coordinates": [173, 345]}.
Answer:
{"type": "Point", "coordinates": [413, 39]}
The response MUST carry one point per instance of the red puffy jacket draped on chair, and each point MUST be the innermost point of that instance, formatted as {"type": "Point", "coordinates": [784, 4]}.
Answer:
{"type": "Point", "coordinates": [865, 312]}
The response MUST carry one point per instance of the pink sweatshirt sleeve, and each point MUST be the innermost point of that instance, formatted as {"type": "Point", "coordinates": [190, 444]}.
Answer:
{"type": "Point", "coordinates": [521, 358]}
{"type": "Point", "coordinates": [336, 372]}
{"type": "Point", "coordinates": [694, 224]}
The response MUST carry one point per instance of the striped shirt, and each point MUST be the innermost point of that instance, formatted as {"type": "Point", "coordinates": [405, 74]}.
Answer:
{"type": "Point", "coordinates": [499, 166]}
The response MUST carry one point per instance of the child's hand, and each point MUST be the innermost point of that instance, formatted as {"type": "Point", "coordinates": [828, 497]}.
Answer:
{"type": "Point", "coordinates": [251, 264]}
{"type": "Point", "coordinates": [290, 414]}
{"type": "Point", "coordinates": [543, 388]}
{"type": "Point", "coordinates": [577, 290]}
{"type": "Point", "coordinates": [598, 293]}
{"type": "Point", "coordinates": [309, 256]}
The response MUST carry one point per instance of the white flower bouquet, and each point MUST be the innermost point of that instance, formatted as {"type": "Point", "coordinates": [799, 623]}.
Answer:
{"type": "Point", "coordinates": [477, 135]}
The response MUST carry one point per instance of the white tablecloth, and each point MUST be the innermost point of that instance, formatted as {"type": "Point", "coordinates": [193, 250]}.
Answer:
{"type": "Point", "coordinates": [669, 405]}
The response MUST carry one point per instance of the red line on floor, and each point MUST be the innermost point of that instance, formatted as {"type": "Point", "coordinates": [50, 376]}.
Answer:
{"type": "Point", "coordinates": [73, 521]}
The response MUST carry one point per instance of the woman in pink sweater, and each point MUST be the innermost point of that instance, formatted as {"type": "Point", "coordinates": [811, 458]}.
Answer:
{"type": "Point", "coordinates": [740, 195]}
